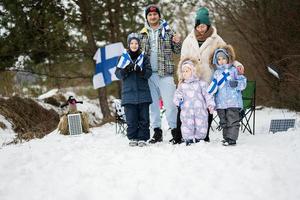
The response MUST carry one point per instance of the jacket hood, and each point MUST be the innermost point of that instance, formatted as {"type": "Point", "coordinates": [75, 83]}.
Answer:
{"type": "Point", "coordinates": [227, 49]}
{"type": "Point", "coordinates": [147, 27]}
{"type": "Point", "coordinates": [197, 71]}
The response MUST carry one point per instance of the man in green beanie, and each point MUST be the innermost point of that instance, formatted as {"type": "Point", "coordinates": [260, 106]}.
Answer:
{"type": "Point", "coordinates": [200, 43]}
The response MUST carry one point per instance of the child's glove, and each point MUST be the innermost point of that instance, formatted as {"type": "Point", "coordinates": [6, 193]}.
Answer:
{"type": "Point", "coordinates": [233, 84]}
{"type": "Point", "coordinates": [139, 70]}
{"type": "Point", "coordinates": [129, 68]}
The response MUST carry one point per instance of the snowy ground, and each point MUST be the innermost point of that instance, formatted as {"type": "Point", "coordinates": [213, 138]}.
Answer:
{"type": "Point", "coordinates": [101, 165]}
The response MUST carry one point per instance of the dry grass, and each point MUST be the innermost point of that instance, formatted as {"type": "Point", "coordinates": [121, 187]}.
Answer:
{"type": "Point", "coordinates": [29, 119]}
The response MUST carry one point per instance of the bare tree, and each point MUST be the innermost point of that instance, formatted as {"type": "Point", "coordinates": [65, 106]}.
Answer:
{"type": "Point", "coordinates": [264, 32]}
{"type": "Point", "coordinates": [85, 9]}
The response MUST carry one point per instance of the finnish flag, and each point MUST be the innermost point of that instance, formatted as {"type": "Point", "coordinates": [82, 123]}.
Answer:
{"type": "Point", "coordinates": [219, 82]}
{"type": "Point", "coordinates": [225, 76]}
{"type": "Point", "coordinates": [165, 28]}
{"type": "Point", "coordinates": [124, 60]}
{"type": "Point", "coordinates": [139, 61]}
{"type": "Point", "coordinates": [106, 61]}
{"type": "Point", "coordinates": [213, 86]}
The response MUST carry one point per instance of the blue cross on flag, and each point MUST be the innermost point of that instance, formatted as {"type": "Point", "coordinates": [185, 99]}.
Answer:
{"type": "Point", "coordinates": [219, 82]}
{"type": "Point", "coordinates": [106, 61]}
{"type": "Point", "coordinates": [165, 28]}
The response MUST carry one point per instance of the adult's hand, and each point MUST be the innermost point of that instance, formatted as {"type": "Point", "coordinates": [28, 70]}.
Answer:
{"type": "Point", "coordinates": [240, 69]}
{"type": "Point", "coordinates": [211, 109]}
{"type": "Point", "coordinates": [176, 38]}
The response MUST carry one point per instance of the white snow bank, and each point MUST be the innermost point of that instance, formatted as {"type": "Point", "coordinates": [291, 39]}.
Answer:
{"type": "Point", "coordinates": [101, 165]}
{"type": "Point", "coordinates": [91, 107]}
{"type": "Point", "coordinates": [7, 134]}
{"type": "Point", "coordinates": [48, 94]}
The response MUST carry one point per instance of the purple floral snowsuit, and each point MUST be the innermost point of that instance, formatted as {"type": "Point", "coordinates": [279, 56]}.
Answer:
{"type": "Point", "coordinates": [193, 98]}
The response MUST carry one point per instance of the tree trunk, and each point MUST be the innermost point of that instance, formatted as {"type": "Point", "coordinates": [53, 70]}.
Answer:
{"type": "Point", "coordinates": [114, 24]}
{"type": "Point", "coordinates": [85, 9]}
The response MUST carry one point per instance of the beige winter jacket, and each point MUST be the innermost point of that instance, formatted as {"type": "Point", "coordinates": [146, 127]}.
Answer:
{"type": "Point", "coordinates": [190, 49]}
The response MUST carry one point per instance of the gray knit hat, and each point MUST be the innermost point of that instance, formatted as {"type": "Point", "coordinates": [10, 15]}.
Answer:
{"type": "Point", "coordinates": [132, 36]}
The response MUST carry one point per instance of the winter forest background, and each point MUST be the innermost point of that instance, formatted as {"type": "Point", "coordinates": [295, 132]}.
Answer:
{"type": "Point", "coordinates": [46, 51]}
{"type": "Point", "coordinates": [46, 44]}
{"type": "Point", "coordinates": [54, 41]}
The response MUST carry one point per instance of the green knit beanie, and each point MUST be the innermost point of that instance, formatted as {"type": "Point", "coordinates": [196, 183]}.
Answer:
{"type": "Point", "coordinates": [202, 17]}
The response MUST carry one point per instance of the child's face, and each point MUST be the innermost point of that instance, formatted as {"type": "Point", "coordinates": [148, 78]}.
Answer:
{"type": "Point", "coordinates": [134, 45]}
{"type": "Point", "coordinates": [222, 60]}
{"type": "Point", "coordinates": [186, 73]}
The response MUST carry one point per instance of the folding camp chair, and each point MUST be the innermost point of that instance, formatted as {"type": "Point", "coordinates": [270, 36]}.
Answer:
{"type": "Point", "coordinates": [248, 111]}
{"type": "Point", "coordinates": [120, 117]}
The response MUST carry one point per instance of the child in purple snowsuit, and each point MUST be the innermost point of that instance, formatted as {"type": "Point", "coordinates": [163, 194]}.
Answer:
{"type": "Point", "coordinates": [193, 99]}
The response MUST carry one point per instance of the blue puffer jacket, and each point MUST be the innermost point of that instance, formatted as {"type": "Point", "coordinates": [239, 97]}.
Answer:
{"type": "Point", "coordinates": [135, 88]}
{"type": "Point", "coordinates": [228, 97]}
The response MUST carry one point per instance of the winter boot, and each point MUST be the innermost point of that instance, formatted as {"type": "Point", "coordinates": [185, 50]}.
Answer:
{"type": "Point", "coordinates": [133, 143]}
{"type": "Point", "coordinates": [189, 142]}
{"type": "Point", "coordinates": [197, 140]}
{"type": "Point", "coordinates": [229, 142]}
{"type": "Point", "coordinates": [157, 137]}
{"type": "Point", "coordinates": [206, 139]}
{"type": "Point", "coordinates": [177, 137]}
{"type": "Point", "coordinates": [142, 143]}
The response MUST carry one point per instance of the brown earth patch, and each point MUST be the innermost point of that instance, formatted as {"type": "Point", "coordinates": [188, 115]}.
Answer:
{"type": "Point", "coordinates": [29, 119]}
{"type": "Point", "coordinates": [2, 125]}
{"type": "Point", "coordinates": [56, 100]}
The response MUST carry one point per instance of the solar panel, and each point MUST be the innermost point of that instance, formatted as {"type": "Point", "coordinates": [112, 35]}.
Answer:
{"type": "Point", "coordinates": [281, 125]}
{"type": "Point", "coordinates": [74, 121]}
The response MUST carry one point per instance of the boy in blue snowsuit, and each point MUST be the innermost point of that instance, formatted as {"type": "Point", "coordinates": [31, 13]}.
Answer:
{"type": "Point", "coordinates": [227, 85]}
{"type": "Point", "coordinates": [134, 70]}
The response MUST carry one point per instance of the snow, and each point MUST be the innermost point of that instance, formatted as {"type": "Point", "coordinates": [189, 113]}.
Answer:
{"type": "Point", "coordinates": [48, 94]}
{"type": "Point", "coordinates": [101, 165]}
{"type": "Point", "coordinates": [7, 134]}
{"type": "Point", "coordinates": [91, 107]}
